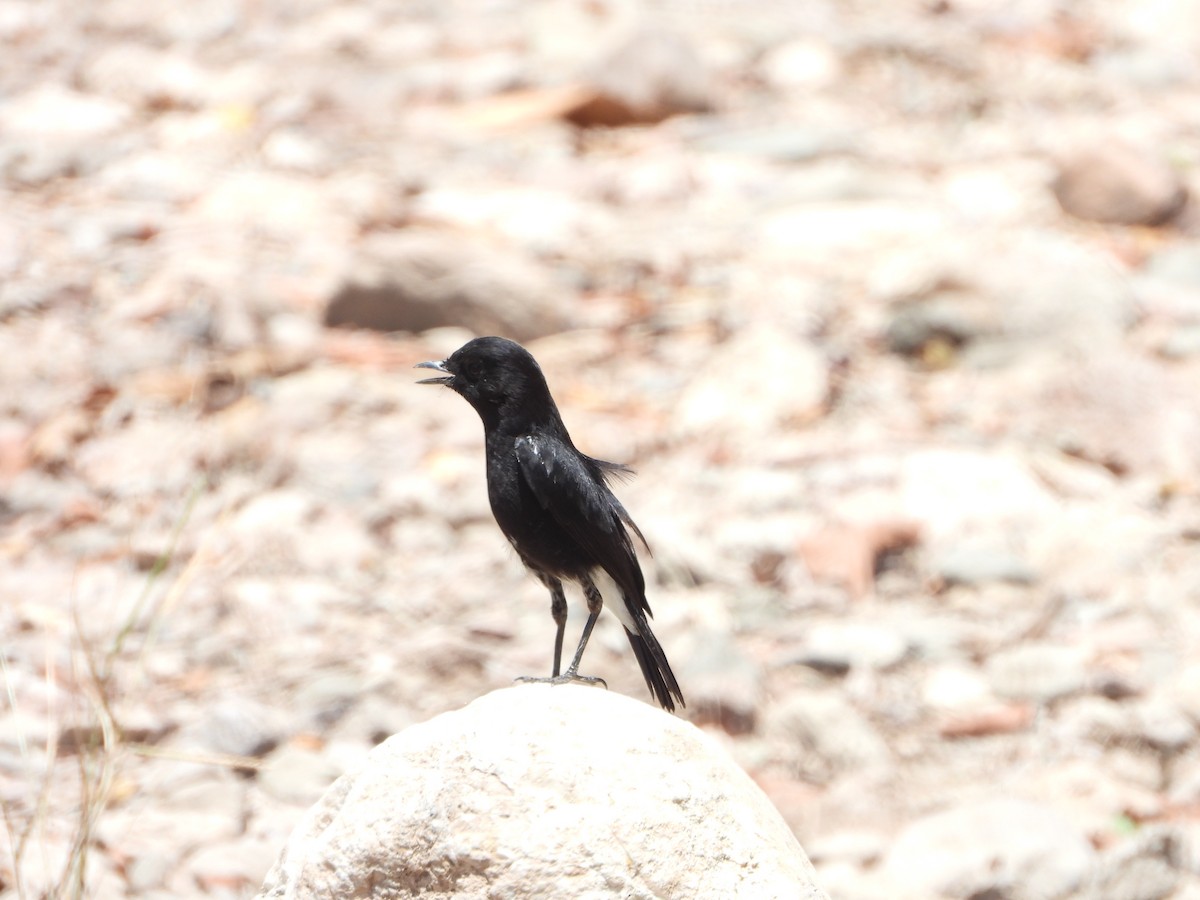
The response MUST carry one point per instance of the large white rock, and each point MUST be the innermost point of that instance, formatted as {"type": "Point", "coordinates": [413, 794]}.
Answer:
{"type": "Point", "coordinates": [539, 791]}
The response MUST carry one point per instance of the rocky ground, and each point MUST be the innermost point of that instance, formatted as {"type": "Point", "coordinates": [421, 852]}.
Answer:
{"type": "Point", "coordinates": [895, 308]}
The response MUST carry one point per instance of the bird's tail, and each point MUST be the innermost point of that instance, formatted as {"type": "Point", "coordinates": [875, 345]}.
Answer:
{"type": "Point", "coordinates": [655, 668]}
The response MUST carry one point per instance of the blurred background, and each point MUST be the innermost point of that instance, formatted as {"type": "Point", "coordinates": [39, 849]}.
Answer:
{"type": "Point", "coordinates": [894, 307]}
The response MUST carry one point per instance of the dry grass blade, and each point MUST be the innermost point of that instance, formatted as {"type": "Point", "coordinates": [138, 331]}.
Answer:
{"type": "Point", "coordinates": [51, 824]}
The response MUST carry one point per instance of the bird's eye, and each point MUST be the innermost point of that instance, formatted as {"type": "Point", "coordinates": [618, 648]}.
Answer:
{"type": "Point", "coordinates": [474, 371]}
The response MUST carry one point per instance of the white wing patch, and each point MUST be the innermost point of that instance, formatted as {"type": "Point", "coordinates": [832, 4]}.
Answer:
{"type": "Point", "coordinates": [527, 441]}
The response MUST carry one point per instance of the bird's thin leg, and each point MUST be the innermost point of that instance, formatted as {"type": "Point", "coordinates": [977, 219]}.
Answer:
{"type": "Point", "coordinates": [558, 609]}
{"type": "Point", "coordinates": [595, 603]}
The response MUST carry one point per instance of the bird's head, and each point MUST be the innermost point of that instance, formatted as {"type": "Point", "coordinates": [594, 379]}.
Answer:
{"type": "Point", "coordinates": [492, 373]}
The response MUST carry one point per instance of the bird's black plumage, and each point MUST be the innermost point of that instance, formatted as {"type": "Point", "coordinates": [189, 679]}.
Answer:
{"type": "Point", "coordinates": [553, 502]}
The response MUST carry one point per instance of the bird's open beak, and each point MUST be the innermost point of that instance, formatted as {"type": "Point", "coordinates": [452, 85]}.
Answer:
{"type": "Point", "coordinates": [437, 366]}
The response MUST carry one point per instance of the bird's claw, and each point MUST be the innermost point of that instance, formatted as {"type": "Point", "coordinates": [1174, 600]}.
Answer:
{"type": "Point", "coordinates": [565, 678]}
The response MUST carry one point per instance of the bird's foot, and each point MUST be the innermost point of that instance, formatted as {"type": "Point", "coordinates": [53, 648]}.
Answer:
{"type": "Point", "coordinates": [566, 678]}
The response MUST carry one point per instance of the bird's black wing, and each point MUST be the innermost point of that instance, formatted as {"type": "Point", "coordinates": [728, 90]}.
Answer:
{"type": "Point", "coordinates": [611, 471]}
{"type": "Point", "coordinates": [577, 499]}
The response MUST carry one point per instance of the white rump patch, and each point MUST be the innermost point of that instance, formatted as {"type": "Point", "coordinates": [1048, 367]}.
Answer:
{"type": "Point", "coordinates": [613, 599]}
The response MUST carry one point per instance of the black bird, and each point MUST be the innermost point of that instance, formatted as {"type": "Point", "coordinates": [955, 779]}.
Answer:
{"type": "Point", "coordinates": [553, 503]}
